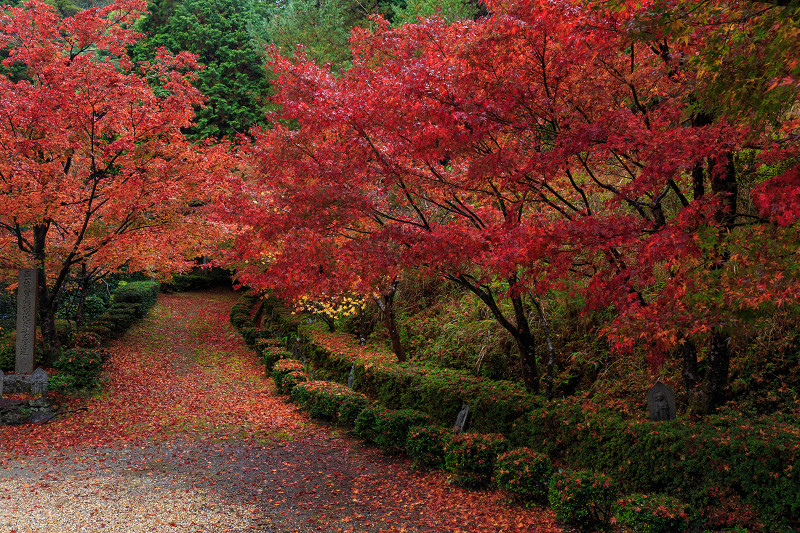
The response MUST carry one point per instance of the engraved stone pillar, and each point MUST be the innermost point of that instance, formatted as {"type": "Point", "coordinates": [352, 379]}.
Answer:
{"type": "Point", "coordinates": [26, 319]}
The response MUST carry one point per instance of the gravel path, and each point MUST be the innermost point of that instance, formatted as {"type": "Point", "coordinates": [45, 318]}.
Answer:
{"type": "Point", "coordinates": [189, 437]}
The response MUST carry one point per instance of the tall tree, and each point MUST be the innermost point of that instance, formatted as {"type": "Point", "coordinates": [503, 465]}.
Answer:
{"type": "Point", "coordinates": [536, 148]}
{"type": "Point", "coordinates": [94, 168]}
{"type": "Point", "coordinates": [233, 78]}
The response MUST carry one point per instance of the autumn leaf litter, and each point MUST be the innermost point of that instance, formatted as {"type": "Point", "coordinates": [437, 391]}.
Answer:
{"type": "Point", "coordinates": [189, 436]}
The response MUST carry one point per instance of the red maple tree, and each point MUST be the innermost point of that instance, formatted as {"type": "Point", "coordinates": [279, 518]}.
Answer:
{"type": "Point", "coordinates": [545, 146]}
{"type": "Point", "coordinates": [94, 168]}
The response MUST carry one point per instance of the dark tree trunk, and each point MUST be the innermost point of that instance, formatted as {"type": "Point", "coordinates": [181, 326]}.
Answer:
{"type": "Point", "coordinates": [715, 383]}
{"type": "Point", "coordinates": [364, 325]}
{"type": "Point", "coordinates": [46, 299]}
{"type": "Point", "coordinates": [386, 304]}
{"type": "Point", "coordinates": [520, 331]}
{"type": "Point", "coordinates": [691, 377]}
{"type": "Point", "coordinates": [84, 292]}
{"type": "Point", "coordinates": [329, 321]}
{"type": "Point", "coordinates": [551, 359]}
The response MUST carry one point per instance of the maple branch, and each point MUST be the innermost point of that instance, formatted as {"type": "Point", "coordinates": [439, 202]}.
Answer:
{"type": "Point", "coordinates": [580, 191]}
{"type": "Point", "coordinates": [636, 205]}
{"type": "Point", "coordinates": [465, 212]}
{"type": "Point", "coordinates": [485, 294]}
{"type": "Point", "coordinates": [407, 194]}
{"type": "Point", "coordinates": [679, 194]}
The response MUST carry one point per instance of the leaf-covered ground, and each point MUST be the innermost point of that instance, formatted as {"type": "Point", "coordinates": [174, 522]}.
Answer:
{"type": "Point", "coordinates": [189, 436]}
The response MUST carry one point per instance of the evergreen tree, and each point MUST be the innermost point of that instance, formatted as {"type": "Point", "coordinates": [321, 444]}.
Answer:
{"type": "Point", "coordinates": [234, 79]}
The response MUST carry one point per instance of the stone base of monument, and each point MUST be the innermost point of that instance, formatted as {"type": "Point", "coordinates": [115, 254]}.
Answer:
{"type": "Point", "coordinates": [35, 383]}
{"type": "Point", "coordinates": [15, 411]}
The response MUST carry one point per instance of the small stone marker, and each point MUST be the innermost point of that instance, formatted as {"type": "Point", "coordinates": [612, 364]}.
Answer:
{"type": "Point", "coordinates": [661, 402]}
{"type": "Point", "coordinates": [351, 377]}
{"type": "Point", "coordinates": [26, 320]}
{"type": "Point", "coordinates": [39, 382]}
{"type": "Point", "coordinates": [2, 377]}
{"type": "Point", "coordinates": [462, 419]}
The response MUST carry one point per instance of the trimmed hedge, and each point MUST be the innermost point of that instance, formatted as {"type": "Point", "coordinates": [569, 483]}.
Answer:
{"type": "Point", "coordinates": [282, 368]}
{"type": "Point", "coordinates": [425, 445]}
{"type": "Point", "coordinates": [321, 398]}
{"type": "Point", "coordinates": [391, 428]}
{"type": "Point", "coordinates": [469, 458]}
{"type": "Point", "coordinates": [291, 379]}
{"type": "Point", "coordinates": [582, 498]}
{"type": "Point", "coordinates": [731, 469]}
{"type": "Point", "coordinates": [525, 474]}
{"type": "Point", "coordinates": [365, 425]}
{"type": "Point", "coordinates": [351, 407]}
{"type": "Point", "coordinates": [494, 405]}
{"type": "Point", "coordinates": [642, 513]}
{"type": "Point", "coordinates": [142, 293]}
{"type": "Point", "coordinates": [131, 301]}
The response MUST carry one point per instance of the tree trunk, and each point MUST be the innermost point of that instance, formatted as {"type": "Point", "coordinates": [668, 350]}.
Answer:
{"type": "Point", "coordinates": [715, 383]}
{"type": "Point", "coordinates": [520, 331]}
{"type": "Point", "coordinates": [386, 303]}
{"type": "Point", "coordinates": [551, 359]}
{"type": "Point", "coordinates": [47, 322]}
{"type": "Point", "coordinates": [47, 301]}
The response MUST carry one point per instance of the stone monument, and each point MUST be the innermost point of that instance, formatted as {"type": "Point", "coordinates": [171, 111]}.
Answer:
{"type": "Point", "coordinates": [26, 320]}
{"type": "Point", "coordinates": [351, 377]}
{"type": "Point", "coordinates": [39, 382]}
{"type": "Point", "coordinates": [661, 402]}
{"type": "Point", "coordinates": [462, 419]}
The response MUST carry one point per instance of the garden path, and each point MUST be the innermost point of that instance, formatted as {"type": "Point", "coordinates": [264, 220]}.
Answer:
{"type": "Point", "coordinates": [189, 436]}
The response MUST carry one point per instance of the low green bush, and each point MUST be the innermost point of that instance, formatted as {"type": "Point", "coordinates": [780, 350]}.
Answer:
{"type": "Point", "coordinates": [143, 293]}
{"type": "Point", "coordinates": [240, 312]}
{"type": "Point", "coordinates": [365, 425]}
{"type": "Point", "coordinates": [350, 409]}
{"type": "Point", "coordinates": [525, 474]}
{"type": "Point", "coordinates": [582, 498]}
{"type": "Point", "coordinates": [284, 367]}
{"type": "Point", "coordinates": [251, 335]}
{"type": "Point", "coordinates": [8, 355]}
{"type": "Point", "coordinates": [291, 379]}
{"type": "Point", "coordinates": [391, 428]}
{"type": "Point", "coordinates": [321, 398]}
{"type": "Point", "coordinates": [78, 369]}
{"type": "Point", "coordinates": [642, 513]}
{"type": "Point", "coordinates": [425, 445]}
{"type": "Point", "coordinates": [86, 339]}
{"type": "Point", "coordinates": [469, 458]}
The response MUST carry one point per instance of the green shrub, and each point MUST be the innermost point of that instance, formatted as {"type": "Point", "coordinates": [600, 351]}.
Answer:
{"type": "Point", "coordinates": [282, 368]}
{"type": "Point", "coordinates": [469, 458]}
{"type": "Point", "coordinates": [350, 409]}
{"type": "Point", "coordinates": [240, 312]}
{"type": "Point", "coordinates": [144, 293]}
{"type": "Point", "coordinates": [8, 356]}
{"type": "Point", "coordinates": [525, 474]}
{"type": "Point", "coordinates": [94, 306]}
{"type": "Point", "coordinates": [79, 368]}
{"type": "Point", "coordinates": [322, 398]}
{"type": "Point", "coordinates": [438, 392]}
{"type": "Point", "coordinates": [291, 379]}
{"type": "Point", "coordinates": [425, 445]}
{"type": "Point", "coordinates": [391, 428]}
{"type": "Point", "coordinates": [250, 335]}
{"type": "Point", "coordinates": [99, 330]}
{"type": "Point", "coordinates": [365, 423]}
{"type": "Point", "coordinates": [86, 339]}
{"type": "Point", "coordinates": [582, 498]}
{"type": "Point", "coordinates": [642, 513]}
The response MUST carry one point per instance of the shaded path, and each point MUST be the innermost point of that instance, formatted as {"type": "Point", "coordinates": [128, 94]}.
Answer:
{"type": "Point", "coordinates": [189, 436]}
